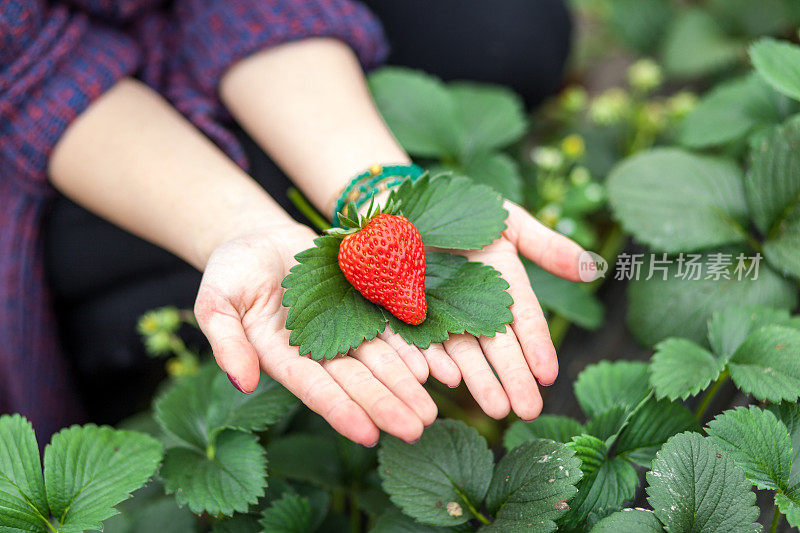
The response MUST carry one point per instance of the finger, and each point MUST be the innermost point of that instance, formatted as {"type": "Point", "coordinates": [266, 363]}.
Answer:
{"type": "Point", "coordinates": [409, 353]}
{"type": "Point", "coordinates": [309, 381]}
{"type": "Point", "coordinates": [548, 249]}
{"type": "Point", "coordinates": [442, 366]}
{"type": "Point", "coordinates": [387, 411]}
{"type": "Point", "coordinates": [220, 322]}
{"type": "Point", "coordinates": [481, 381]}
{"type": "Point", "coordinates": [505, 355]}
{"type": "Point", "coordinates": [529, 324]}
{"type": "Point", "coordinates": [385, 364]}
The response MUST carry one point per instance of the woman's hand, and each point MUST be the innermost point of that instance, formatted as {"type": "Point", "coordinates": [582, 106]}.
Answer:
{"type": "Point", "coordinates": [239, 309]}
{"type": "Point", "coordinates": [524, 354]}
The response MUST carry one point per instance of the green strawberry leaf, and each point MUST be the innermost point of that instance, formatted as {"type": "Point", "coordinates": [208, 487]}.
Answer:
{"type": "Point", "coordinates": [773, 186]}
{"type": "Point", "coordinates": [156, 515]}
{"type": "Point", "coordinates": [198, 407]}
{"type": "Point", "coordinates": [463, 296]}
{"type": "Point", "coordinates": [605, 385]}
{"type": "Point", "coordinates": [783, 249]}
{"type": "Point", "coordinates": [452, 211]}
{"type": "Point", "coordinates": [789, 414]}
{"type": "Point", "coordinates": [394, 521]}
{"type": "Point", "coordinates": [327, 315]}
{"type": "Point", "coordinates": [728, 328]}
{"type": "Point", "coordinates": [696, 44]}
{"type": "Point", "coordinates": [491, 117]}
{"type": "Point", "coordinates": [767, 364]}
{"type": "Point", "coordinates": [226, 478]}
{"type": "Point", "coordinates": [694, 487]}
{"type": "Point", "coordinates": [441, 478]}
{"type": "Point", "coordinates": [778, 62]}
{"type": "Point", "coordinates": [296, 456]}
{"type": "Point", "coordinates": [607, 425]}
{"type": "Point", "coordinates": [498, 171]}
{"type": "Point", "coordinates": [553, 427]}
{"type": "Point", "coordinates": [675, 201]}
{"type": "Point", "coordinates": [291, 513]}
{"type": "Point", "coordinates": [23, 500]}
{"type": "Point", "coordinates": [773, 182]}
{"type": "Point", "coordinates": [639, 520]}
{"type": "Point", "coordinates": [650, 427]}
{"type": "Point", "coordinates": [675, 307]}
{"type": "Point", "coordinates": [457, 121]}
{"type": "Point", "coordinates": [757, 442]}
{"type": "Point", "coordinates": [789, 505]}
{"type": "Point", "coordinates": [606, 484]}
{"type": "Point", "coordinates": [680, 368]}
{"type": "Point", "coordinates": [530, 485]}
{"type": "Point", "coordinates": [419, 110]}
{"type": "Point", "coordinates": [730, 111]}
{"type": "Point", "coordinates": [88, 470]}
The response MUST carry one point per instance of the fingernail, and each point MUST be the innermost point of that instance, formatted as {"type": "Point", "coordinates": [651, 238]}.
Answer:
{"type": "Point", "coordinates": [235, 383]}
{"type": "Point", "coordinates": [371, 445]}
{"type": "Point", "coordinates": [413, 441]}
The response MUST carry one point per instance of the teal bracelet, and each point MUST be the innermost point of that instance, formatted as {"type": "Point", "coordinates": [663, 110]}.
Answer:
{"type": "Point", "coordinates": [377, 178]}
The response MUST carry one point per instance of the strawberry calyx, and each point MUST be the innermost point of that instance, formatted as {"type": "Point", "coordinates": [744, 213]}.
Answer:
{"type": "Point", "coordinates": [352, 221]}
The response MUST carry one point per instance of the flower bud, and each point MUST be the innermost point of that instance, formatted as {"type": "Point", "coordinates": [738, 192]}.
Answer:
{"type": "Point", "coordinates": [573, 146]}
{"type": "Point", "coordinates": [580, 176]}
{"type": "Point", "coordinates": [681, 104]}
{"type": "Point", "coordinates": [645, 75]}
{"type": "Point", "coordinates": [573, 99]}
{"type": "Point", "coordinates": [550, 214]}
{"type": "Point", "coordinates": [547, 157]}
{"type": "Point", "coordinates": [159, 343]}
{"type": "Point", "coordinates": [610, 107]}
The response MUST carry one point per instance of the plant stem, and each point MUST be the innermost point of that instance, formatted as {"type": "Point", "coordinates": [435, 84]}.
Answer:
{"type": "Point", "coordinates": [300, 202]}
{"type": "Point", "coordinates": [701, 409]}
{"type": "Point", "coordinates": [776, 519]}
{"type": "Point", "coordinates": [355, 512]}
{"type": "Point", "coordinates": [473, 509]}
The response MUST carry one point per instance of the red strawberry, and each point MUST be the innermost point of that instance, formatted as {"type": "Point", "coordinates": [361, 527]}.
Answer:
{"type": "Point", "coordinates": [384, 259]}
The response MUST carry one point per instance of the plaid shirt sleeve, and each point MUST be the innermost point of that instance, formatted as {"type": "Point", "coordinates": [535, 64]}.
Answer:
{"type": "Point", "coordinates": [213, 35]}
{"type": "Point", "coordinates": [56, 64]}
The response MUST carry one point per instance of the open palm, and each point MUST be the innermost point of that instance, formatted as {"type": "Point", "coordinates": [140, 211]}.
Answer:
{"type": "Point", "coordinates": [524, 353]}
{"type": "Point", "coordinates": [378, 386]}
{"type": "Point", "coordinates": [239, 309]}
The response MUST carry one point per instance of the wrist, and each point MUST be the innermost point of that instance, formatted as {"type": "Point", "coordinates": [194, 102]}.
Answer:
{"type": "Point", "coordinates": [255, 214]}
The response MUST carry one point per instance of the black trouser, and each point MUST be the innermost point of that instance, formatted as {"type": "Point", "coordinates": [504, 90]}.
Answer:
{"type": "Point", "coordinates": [103, 278]}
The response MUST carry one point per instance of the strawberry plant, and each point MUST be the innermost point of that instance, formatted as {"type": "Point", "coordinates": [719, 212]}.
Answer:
{"type": "Point", "coordinates": [635, 420]}
{"type": "Point", "coordinates": [88, 470]}
{"type": "Point", "coordinates": [683, 204]}
{"type": "Point", "coordinates": [328, 315]}
{"type": "Point", "coordinates": [700, 38]}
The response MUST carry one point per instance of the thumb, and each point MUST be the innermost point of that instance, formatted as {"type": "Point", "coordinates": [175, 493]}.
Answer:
{"type": "Point", "coordinates": [220, 322]}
